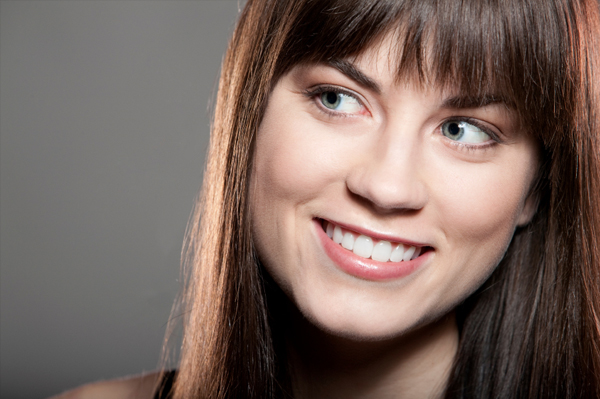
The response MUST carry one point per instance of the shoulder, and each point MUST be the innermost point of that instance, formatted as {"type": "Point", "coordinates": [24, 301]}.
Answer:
{"type": "Point", "coordinates": [135, 387]}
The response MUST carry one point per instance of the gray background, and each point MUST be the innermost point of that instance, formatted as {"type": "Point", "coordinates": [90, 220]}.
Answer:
{"type": "Point", "coordinates": [104, 122]}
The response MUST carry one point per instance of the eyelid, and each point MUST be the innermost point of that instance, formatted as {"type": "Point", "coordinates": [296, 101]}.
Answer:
{"type": "Point", "coordinates": [313, 91]}
{"type": "Point", "coordinates": [495, 136]}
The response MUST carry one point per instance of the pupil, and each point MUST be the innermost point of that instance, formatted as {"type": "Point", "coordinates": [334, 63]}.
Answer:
{"type": "Point", "coordinates": [332, 97]}
{"type": "Point", "coordinates": [454, 129]}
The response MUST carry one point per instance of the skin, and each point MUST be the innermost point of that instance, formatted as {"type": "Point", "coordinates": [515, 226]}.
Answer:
{"type": "Point", "coordinates": [381, 164]}
{"type": "Point", "coordinates": [136, 387]}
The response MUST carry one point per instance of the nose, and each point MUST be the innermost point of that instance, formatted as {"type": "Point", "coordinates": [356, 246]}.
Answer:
{"type": "Point", "coordinates": [389, 175]}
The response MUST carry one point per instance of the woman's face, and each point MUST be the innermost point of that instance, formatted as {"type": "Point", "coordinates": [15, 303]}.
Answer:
{"type": "Point", "coordinates": [352, 168]}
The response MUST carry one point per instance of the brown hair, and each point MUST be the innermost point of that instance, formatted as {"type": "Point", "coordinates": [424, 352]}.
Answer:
{"type": "Point", "coordinates": [533, 329]}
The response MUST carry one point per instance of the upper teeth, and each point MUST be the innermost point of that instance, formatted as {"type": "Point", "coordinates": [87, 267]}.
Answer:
{"type": "Point", "coordinates": [361, 245]}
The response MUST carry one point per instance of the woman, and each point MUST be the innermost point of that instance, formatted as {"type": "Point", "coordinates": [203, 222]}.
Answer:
{"type": "Point", "coordinates": [399, 201]}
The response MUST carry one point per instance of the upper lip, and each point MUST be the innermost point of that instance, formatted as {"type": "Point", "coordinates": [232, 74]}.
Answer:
{"type": "Point", "coordinates": [377, 235]}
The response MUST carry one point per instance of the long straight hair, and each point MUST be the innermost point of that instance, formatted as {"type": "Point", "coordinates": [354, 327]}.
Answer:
{"type": "Point", "coordinates": [533, 329]}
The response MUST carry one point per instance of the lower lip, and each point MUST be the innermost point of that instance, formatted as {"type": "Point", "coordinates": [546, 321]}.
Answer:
{"type": "Point", "coordinates": [367, 269]}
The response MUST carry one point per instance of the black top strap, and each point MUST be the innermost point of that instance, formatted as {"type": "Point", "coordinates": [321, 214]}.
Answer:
{"type": "Point", "coordinates": [166, 385]}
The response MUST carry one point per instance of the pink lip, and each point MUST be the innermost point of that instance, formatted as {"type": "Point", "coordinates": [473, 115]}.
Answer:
{"type": "Point", "coordinates": [367, 269]}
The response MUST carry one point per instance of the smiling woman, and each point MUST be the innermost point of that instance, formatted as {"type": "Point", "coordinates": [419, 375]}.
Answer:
{"type": "Point", "coordinates": [400, 201]}
{"type": "Point", "coordinates": [394, 169]}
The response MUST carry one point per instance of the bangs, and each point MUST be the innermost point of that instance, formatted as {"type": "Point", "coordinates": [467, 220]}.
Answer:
{"type": "Point", "coordinates": [510, 49]}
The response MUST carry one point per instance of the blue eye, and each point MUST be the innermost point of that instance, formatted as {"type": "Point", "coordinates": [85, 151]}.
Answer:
{"type": "Point", "coordinates": [464, 132]}
{"type": "Point", "coordinates": [340, 102]}
{"type": "Point", "coordinates": [331, 99]}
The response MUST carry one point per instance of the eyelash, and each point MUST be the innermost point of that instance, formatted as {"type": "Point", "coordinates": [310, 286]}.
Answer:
{"type": "Point", "coordinates": [312, 94]}
{"type": "Point", "coordinates": [466, 147]}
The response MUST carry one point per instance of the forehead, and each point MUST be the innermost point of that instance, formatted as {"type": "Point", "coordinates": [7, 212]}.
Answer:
{"type": "Point", "coordinates": [380, 57]}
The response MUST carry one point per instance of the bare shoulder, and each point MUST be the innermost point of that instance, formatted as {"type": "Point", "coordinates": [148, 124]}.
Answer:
{"type": "Point", "coordinates": [135, 387]}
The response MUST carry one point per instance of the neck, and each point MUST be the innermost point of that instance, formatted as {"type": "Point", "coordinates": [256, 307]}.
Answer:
{"type": "Point", "coordinates": [415, 365]}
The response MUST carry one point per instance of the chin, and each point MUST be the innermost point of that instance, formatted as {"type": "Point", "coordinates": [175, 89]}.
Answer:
{"type": "Point", "coordinates": [358, 326]}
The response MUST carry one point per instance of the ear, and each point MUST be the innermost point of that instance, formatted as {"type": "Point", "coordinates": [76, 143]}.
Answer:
{"type": "Point", "coordinates": [529, 208]}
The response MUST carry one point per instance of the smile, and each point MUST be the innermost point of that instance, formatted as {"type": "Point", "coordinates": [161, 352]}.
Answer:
{"type": "Point", "coordinates": [370, 258]}
{"type": "Point", "coordinates": [369, 247]}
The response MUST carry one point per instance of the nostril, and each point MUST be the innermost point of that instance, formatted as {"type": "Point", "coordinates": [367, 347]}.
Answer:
{"type": "Point", "coordinates": [385, 188]}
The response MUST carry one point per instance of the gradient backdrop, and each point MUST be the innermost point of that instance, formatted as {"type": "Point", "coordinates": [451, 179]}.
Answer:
{"type": "Point", "coordinates": [104, 124]}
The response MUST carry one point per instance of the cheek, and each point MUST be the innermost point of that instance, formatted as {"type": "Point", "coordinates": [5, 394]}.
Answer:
{"type": "Point", "coordinates": [273, 173]}
{"type": "Point", "coordinates": [481, 206]}
{"type": "Point", "coordinates": [477, 208]}
{"type": "Point", "coordinates": [282, 173]}
{"type": "Point", "coordinates": [297, 159]}
{"type": "Point", "coordinates": [289, 169]}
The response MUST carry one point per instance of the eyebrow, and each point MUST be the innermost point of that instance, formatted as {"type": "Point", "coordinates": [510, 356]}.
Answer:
{"type": "Point", "coordinates": [453, 102]}
{"type": "Point", "coordinates": [351, 71]}
{"type": "Point", "coordinates": [463, 102]}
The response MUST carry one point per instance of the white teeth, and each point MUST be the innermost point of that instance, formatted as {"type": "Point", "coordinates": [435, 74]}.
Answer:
{"type": "Point", "coordinates": [348, 241]}
{"type": "Point", "coordinates": [338, 236]}
{"type": "Point", "coordinates": [416, 254]}
{"type": "Point", "coordinates": [330, 230]}
{"type": "Point", "coordinates": [408, 253]}
{"type": "Point", "coordinates": [382, 251]}
{"type": "Point", "coordinates": [397, 253]}
{"type": "Point", "coordinates": [363, 246]}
